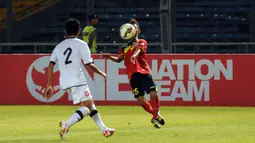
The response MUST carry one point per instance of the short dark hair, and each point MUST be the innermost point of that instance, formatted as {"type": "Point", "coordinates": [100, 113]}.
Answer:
{"type": "Point", "coordinates": [134, 21]}
{"type": "Point", "coordinates": [91, 17]}
{"type": "Point", "coordinates": [72, 26]}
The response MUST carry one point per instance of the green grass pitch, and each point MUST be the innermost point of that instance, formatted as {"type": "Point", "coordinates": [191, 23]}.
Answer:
{"type": "Point", "coordinates": [39, 124]}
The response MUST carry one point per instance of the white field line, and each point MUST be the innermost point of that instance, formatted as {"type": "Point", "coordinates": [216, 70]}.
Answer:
{"type": "Point", "coordinates": [45, 135]}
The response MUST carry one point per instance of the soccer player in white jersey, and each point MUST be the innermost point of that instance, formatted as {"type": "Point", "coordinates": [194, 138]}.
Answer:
{"type": "Point", "coordinates": [69, 54]}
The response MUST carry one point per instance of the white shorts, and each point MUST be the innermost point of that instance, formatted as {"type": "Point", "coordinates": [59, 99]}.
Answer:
{"type": "Point", "coordinates": [79, 94]}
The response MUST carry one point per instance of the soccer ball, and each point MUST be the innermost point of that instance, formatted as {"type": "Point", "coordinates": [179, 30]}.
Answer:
{"type": "Point", "coordinates": [127, 31]}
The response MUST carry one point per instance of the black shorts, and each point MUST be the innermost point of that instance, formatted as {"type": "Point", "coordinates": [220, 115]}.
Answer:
{"type": "Point", "coordinates": [142, 83]}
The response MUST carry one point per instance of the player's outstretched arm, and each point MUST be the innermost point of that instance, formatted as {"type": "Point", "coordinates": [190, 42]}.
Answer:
{"type": "Point", "coordinates": [93, 67]}
{"type": "Point", "coordinates": [116, 59]}
{"type": "Point", "coordinates": [49, 89]}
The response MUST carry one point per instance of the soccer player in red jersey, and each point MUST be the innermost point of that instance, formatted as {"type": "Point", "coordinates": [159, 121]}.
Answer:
{"type": "Point", "coordinates": [139, 75]}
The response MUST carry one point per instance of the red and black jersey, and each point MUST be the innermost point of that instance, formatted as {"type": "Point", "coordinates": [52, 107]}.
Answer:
{"type": "Point", "coordinates": [140, 65]}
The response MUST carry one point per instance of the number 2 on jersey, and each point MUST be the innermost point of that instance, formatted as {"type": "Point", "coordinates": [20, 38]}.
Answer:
{"type": "Point", "coordinates": [68, 51]}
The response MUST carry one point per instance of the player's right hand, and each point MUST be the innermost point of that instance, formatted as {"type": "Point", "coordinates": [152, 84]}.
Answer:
{"type": "Point", "coordinates": [106, 55]}
{"type": "Point", "coordinates": [48, 92]}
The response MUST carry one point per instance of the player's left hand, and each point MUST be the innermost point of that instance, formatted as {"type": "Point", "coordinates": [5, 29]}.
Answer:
{"type": "Point", "coordinates": [105, 55]}
{"type": "Point", "coordinates": [48, 92]}
{"type": "Point", "coordinates": [104, 76]}
{"type": "Point", "coordinates": [132, 59]}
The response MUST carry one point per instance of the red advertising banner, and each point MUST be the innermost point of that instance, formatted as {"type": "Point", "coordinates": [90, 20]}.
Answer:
{"type": "Point", "coordinates": [182, 80]}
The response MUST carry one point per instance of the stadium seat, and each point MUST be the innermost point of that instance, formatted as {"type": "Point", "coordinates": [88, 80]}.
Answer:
{"type": "Point", "coordinates": [196, 20]}
{"type": "Point", "coordinates": [220, 20]}
{"type": "Point", "coordinates": [115, 13]}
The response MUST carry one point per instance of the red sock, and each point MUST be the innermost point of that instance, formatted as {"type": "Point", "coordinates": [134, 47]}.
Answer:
{"type": "Point", "coordinates": [147, 107]}
{"type": "Point", "coordinates": [155, 105]}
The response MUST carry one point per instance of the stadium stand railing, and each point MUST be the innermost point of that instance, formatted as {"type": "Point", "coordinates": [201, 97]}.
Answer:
{"type": "Point", "coordinates": [48, 47]}
{"type": "Point", "coordinates": [217, 48]}
{"type": "Point", "coordinates": [220, 48]}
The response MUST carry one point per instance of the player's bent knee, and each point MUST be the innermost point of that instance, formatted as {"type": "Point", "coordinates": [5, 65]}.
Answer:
{"type": "Point", "coordinates": [94, 107]}
{"type": "Point", "coordinates": [94, 112]}
{"type": "Point", "coordinates": [87, 104]}
{"type": "Point", "coordinates": [141, 100]}
{"type": "Point", "coordinates": [153, 93]}
{"type": "Point", "coordinates": [142, 103]}
{"type": "Point", "coordinates": [83, 111]}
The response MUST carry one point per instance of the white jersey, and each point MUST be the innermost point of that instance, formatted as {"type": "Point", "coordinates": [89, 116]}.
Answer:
{"type": "Point", "coordinates": [69, 54]}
